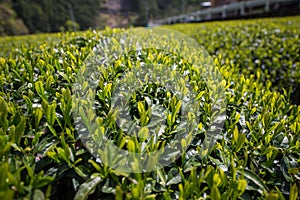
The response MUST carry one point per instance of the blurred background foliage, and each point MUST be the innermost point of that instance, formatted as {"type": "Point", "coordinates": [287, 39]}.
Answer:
{"type": "Point", "coordinates": [35, 16]}
{"type": "Point", "coordinates": [52, 15]}
{"type": "Point", "coordinates": [10, 24]}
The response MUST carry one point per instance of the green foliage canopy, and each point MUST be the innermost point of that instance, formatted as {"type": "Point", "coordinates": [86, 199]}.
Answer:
{"type": "Point", "coordinates": [51, 15]}
{"type": "Point", "coordinates": [256, 156]}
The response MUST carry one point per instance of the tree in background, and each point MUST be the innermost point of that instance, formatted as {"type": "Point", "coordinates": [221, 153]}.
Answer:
{"type": "Point", "coordinates": [33, 15]}
{"type": "Point", "coordinates": [71, 25]}
{"type": "Point", "coordinates": [145, 9]}
{"type": "Point", "coordinates": [9, 23]}
{"type": "Point", "coordinates": [51, 15]}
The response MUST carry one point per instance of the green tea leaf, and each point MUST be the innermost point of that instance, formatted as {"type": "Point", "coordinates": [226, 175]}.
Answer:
{"type": "Point", "coordinates": [39, 88]}
{"type": "Point", "coordinates": [20, 130]}
{"type": "Point", "coordinates": [215, 193]}
{"type": "Point", "coordinates": [51, 114]}
{"type": "Point", "coordinates": [143, 132]}
{"type": "Point", "coordinates": [38, 195]}
{"type": "Point", "coordinates": [42, 181]}
{"type": "Point", "coordinates": [87, 188]}
{"type": "Point", "coordinates": [261, 186]}
{"type": "Point", "coordinates": [3, 113]}
{"type": "Point", "coordinates": [38, 114]}
{"type": "Point", "coordinates": [294, 191]}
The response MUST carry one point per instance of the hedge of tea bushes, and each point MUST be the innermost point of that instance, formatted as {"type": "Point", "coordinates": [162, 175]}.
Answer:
{"type": "Point", "coordinates": [267, 48]}
{"type": "Point", "coordinates": [255, 157]}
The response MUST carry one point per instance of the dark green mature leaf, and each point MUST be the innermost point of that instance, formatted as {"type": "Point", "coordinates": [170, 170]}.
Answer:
{"type": "Point", "coordinates": [3, 113]}
{"type": "Point", "coordinates": [260, 185]}
{"type": "Point", "coordinates": [19, 131]}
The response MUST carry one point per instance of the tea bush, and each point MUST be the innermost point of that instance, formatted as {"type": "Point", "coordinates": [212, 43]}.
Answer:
{"type": "Point", "coordinates": [266, 48]}
{"type": "Point", "coordinates": [255, 157]}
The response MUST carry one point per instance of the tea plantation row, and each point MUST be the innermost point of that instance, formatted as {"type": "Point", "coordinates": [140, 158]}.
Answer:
{"type": "Point", "coordinates": [269, 48]}
{"type": "Point", "coordinates": [256, 156]}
